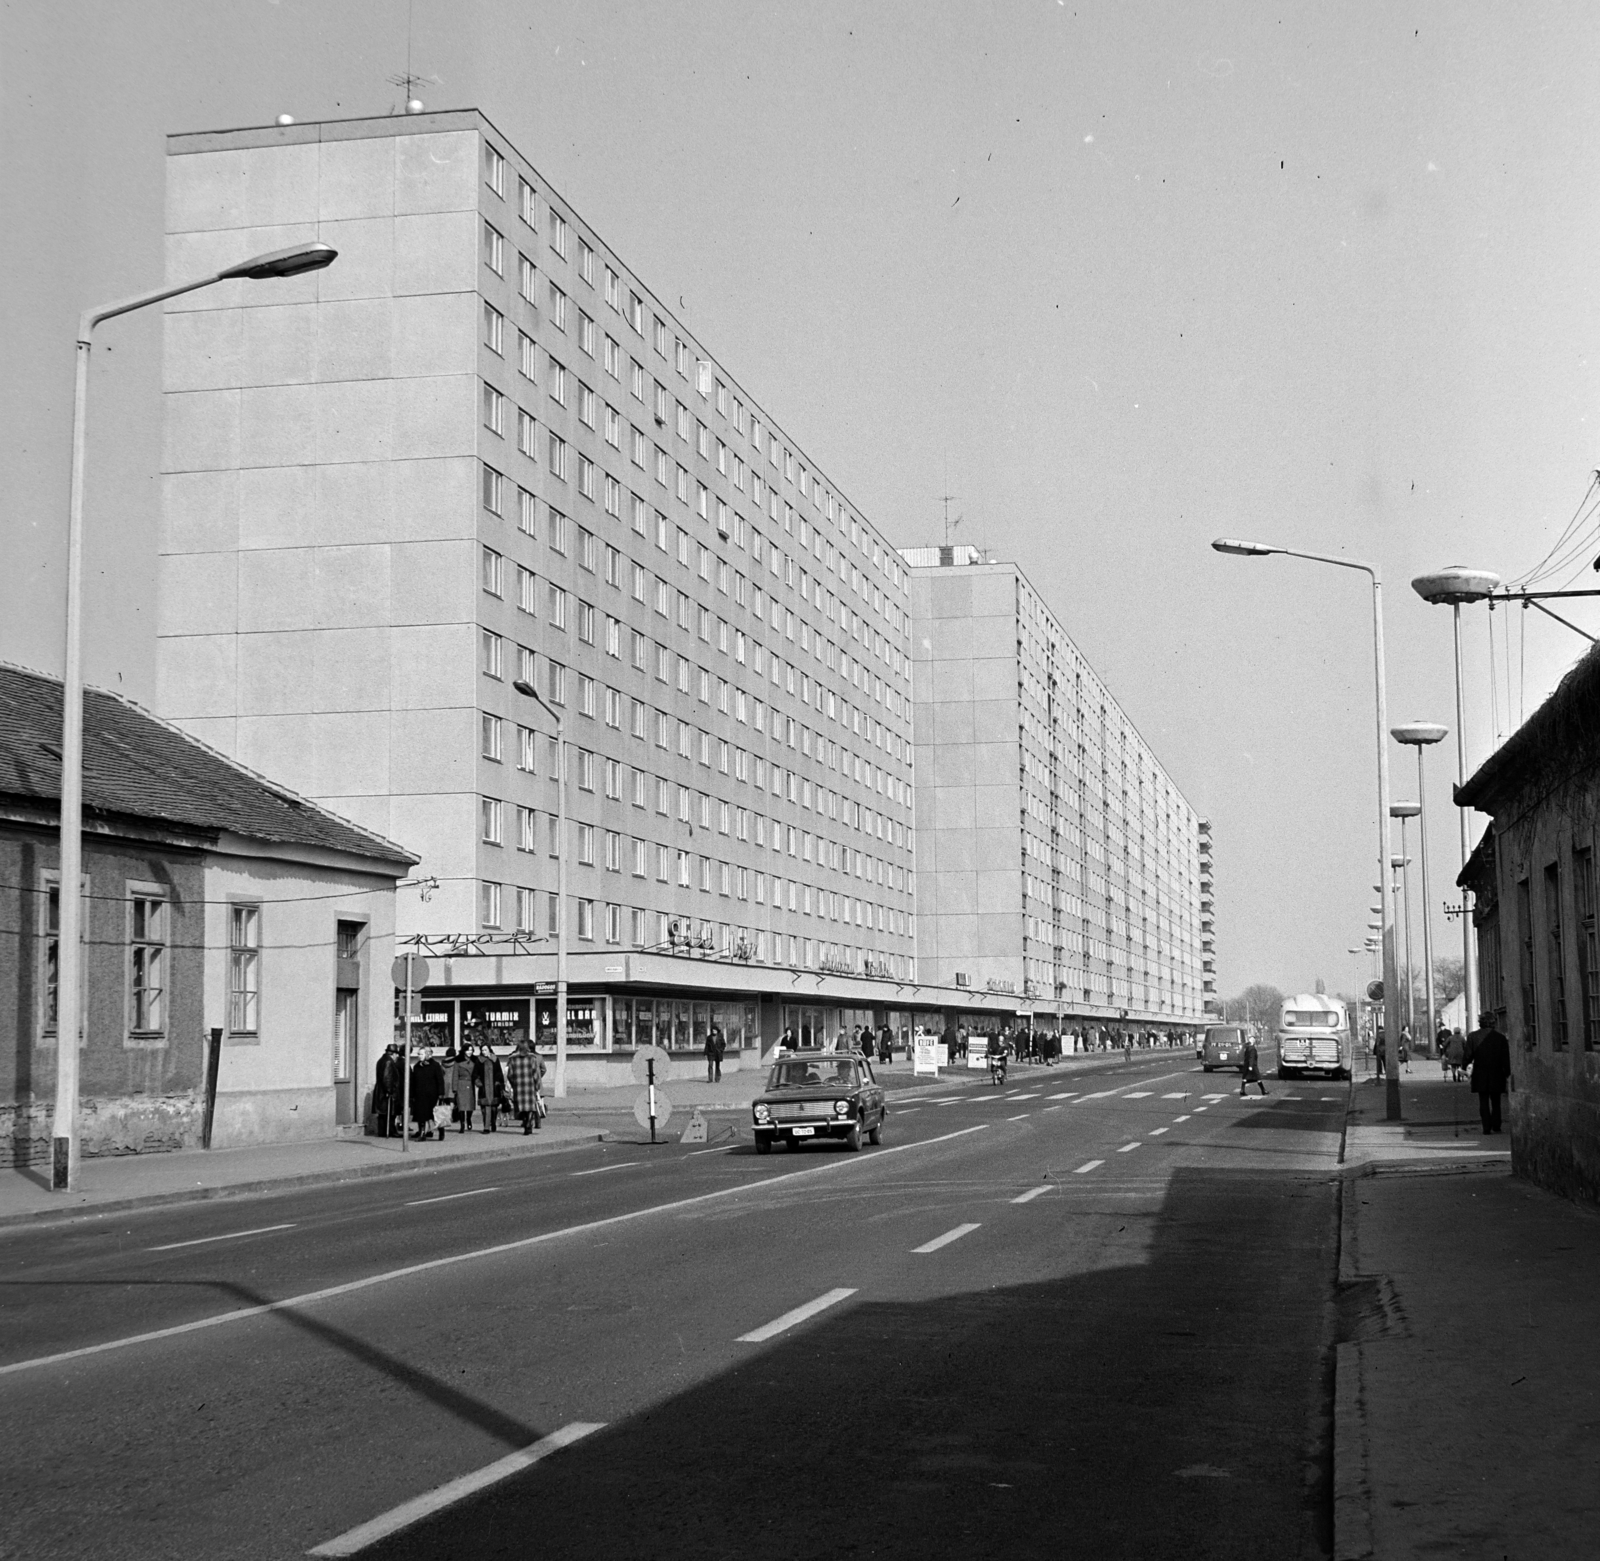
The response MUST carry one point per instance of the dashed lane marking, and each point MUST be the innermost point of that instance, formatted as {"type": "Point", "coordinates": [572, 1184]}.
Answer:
{"type": "Point", "coordinates": [1202, 1108]}
{"type": "Point", "coordinates": [1213, 1097]}
{"type": "Point", "coordinates": [945, 1239]}
{"type": "Point", "coordinates": [232, 1235]}
{"type": "Point", "coordinates": [1032, 1193]}
{"type": "Point", "coordinates": [1065, 1094]}
{"type": "Point", "coordinates": [1138, 1094]}
{"type": "Point", "coordinates": [790, 1319]}
{"type": "Point", "coordinates": [714, 1149]}
{"type": "Point", "coordinates": [1185, 1116]}
{"type": "Point", "coordinates": [1052, 1108]}
{"type": "Point", "coordinates": [621, 1165]}
{"type": "Point", "coordinates": [1088, 1165]}
{"type": "Point", "coordinates": [1126, 1147]}
{"type": "Point", "coordinates": [1178, 1095]}
{"type": "Point", "coordinates": [357, 1539]}
{"type": "Point", "coordinates": [1020, 1117]}
{"type": "Point", "coordinates": [1327, 1097]}
{"type": "Point", "coordinates": [479, 1254]}
{"type": "Point", "coordinates": [1033, 1096]}
{"type": "Point", "coordinates": [1155, 1130]}
{"type": "Point", "coordinates": [1099, 1094]}
{"type": "Point", "coordinates": [448, 1197]}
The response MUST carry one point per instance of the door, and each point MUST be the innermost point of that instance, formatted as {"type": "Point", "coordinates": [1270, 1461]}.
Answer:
{"type": "Point", "coordinates": [346, 1008]}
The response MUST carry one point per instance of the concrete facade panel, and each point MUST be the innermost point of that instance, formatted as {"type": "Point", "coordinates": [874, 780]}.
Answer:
{"type": "Point", "coordinates": [355, 179]}
{"type": "Point", "coordinates": [949, 596]}
{"type": "Point", "coordinates": [205, 191]}
{"type": "Point", "coordinates": [354, 502]}
{"type": "Point", "coordinates": [280, 186]}
{"type": "Point", "coordinates": [434, 582]}
{"type": "Point", "coordinates": [276, 508]}
{"type": "Point", "coordinates": [277, 425]}
{"type": "Point", "coordinates": [437, 253]}
{"type": "Point", "coordinates": [954, 807]}
{"type": "Point", "coordinates": [195, 678]}
{"type": "Point", "coordinates": [199, 512]}
{"type": "Point", "coordinates": [277, 589]}
{"type": "Point", "coordinates": [435, 751]}
{"type": "Point", "coordinates": [355, 420]}
{"type": "Point", "coordinates": [435, 173]}
{"type": "Point", "coordinates": [365, 267]}
{"type": "Point", "coordinates": [350, 752]}
{"type": "Point", "coordinates": [279, 344]}
{"type": "Point", "coordinates": [201, 351]}
{"type": "Point", "coordinates": [435, 500]}
{"type": "Point", "coordinates": [200, 431]}
{"type": "Point", "coordinates": [434, 417]}
{"type": "Point", "coordinates": [281, 746]}
{"type": "Point", "coordinates": [275, 670]}
{"type": "Point", "coordinates": [196, 593]}
{"type": "Point", "coordinates": [351, 586]}
{"type": "Point", "coordinates": [431, 666]}
{"type": "Point", "coordinates": [193, 255]}
{"type": "Point", "coordinates": [435, 333]}
{"type": "Point", "coordinates": [354, 339]}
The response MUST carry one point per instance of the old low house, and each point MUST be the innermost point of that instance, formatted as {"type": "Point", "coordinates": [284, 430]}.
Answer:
{"type": "Point", "coordinates": [212, 899]}
{"type": "Point", "coordinates": [1533, 875]}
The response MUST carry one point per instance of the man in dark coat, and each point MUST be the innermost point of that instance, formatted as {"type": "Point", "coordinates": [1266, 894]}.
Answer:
{"type": "Point", "coordinates": [1250, 1068]}
{"type": "Point", "coordinates": [386, 1093]}
{"type": "Point", "coordinates": [1491, 1070]}
{"type": "Point", "coordinates": [427, 1089]}
{"type": "Point", "coordinates": [715, 1046]}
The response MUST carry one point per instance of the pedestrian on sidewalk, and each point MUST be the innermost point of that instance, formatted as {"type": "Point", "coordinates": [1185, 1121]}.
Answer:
{"type": "Point", "coordinates": [1379, 1053]}
{"type": "Point", "coordinates": [715, 1047]}
{"type": "Point", "coordinates": [1455, 1054]}
{"type": "Point", "coordinates": [1491, 1070]}
{"type": "Point", "coordinates": [1250, 1068]}
{"type": "Point", "coordinates": [387, 1097]}
{"type": "Point", "coordinates": [525, 1073]}
{"type": "Point", "coordinates": [490, 1079]}
{"type": "Point", "coordinates": [427, 1089]}
{"type": "Point", "coordinates": [1405, 1048]}
{"type": "Point", "coordinates": [461, 1089]}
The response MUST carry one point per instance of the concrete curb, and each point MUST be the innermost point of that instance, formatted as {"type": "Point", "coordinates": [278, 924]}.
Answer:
{"type": "Point", "coordinates": [41, 1218]}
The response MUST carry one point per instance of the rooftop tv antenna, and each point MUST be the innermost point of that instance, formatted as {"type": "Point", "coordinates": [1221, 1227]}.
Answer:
{"type": "Point", "coordinates": [407, 80]}
{"type": "Point", "coordinates": [949, 525]}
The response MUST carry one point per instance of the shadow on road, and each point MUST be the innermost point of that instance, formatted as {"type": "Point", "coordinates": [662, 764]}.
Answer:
{"type": "Point", "coordinates": [1173, 1402]}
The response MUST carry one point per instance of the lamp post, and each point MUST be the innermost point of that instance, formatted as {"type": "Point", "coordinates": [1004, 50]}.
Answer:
{"type": "Point", "coordinates": [69, 957]}
{"type": "Point", "coordinates": [1420, 735]}
{"type": "Point", "coordinates": [1452, 587]}
{"type": "Point", "coordinates": [1391, 1006]}
{"type": "Point", "coordinates": [1402, 867]}
{"type": "Point", "coordinates": [529, 691]}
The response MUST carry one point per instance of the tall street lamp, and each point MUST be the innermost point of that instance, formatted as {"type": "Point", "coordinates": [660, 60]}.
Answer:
{"type": "Point", "coordinates": [1391, 1004]}
{"type": "Point", "coordinates": [1420, 735]}
{"type": "Point", "coordinates": [1452, 587]}
{"type": "Point", "coordinates": [293, 261]}
{"type": "Point", "coordinates": [1402, 865]}
{"type": "Point", "coordinates": [529, 691]}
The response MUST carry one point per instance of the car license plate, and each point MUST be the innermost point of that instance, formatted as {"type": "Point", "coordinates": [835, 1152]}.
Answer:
{"type": "Point", "coordinates": [802, 1132]}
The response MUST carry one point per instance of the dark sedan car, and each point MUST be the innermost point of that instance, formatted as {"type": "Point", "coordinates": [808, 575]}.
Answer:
{"type": "Point", "coordinates": [819, 1095]}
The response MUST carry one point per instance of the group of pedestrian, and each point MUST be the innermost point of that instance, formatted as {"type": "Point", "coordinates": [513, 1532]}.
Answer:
{"type": "Point", "coordinates": [1486, 1052]}
{"type": "Point", "coordinates": [472, 1081]}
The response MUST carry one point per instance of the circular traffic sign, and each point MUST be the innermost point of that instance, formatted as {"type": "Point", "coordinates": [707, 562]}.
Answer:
{"type": "Point", "coordinates": [648, 1054]}
{"type": "Point", "coordinates": [419, 972]}
{"type": "Point", "coordinates": [641, 1108]}
{"type": "Point", "coordinates": [1375, 991]}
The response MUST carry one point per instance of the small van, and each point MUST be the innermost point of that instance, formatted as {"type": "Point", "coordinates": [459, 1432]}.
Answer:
{"type": "Point", "coordinates": [1224, 1046]}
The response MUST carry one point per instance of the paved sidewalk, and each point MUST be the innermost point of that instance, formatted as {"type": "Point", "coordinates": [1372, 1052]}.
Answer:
{"type": "Point", "coordinates": [1439, 1122]}
{"type": "Point", "coordinates": [1467, 1413]}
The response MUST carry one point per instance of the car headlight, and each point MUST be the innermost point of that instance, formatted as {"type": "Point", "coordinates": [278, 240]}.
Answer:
{"type": "Point", "coordinates": [762, 1113]}
{"type": "Point", "coordinates": [841, 1108]}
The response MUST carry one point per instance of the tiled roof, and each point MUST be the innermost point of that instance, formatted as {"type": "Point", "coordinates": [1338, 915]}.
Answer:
{"type": "Point", "coordinates": [138, 766]}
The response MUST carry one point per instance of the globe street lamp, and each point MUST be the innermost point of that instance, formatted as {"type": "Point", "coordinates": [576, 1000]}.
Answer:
{"type": "Point", "coordinates": [1452, 587]}
{"type": "Point", "coordinates": [1391, 1003]}
{"type": "Point", "coordinates": [1420, 735]}
{"type": "Point", "coordinates": [294, 261]}
{"type": "Point", "coordinates": [528, 691]}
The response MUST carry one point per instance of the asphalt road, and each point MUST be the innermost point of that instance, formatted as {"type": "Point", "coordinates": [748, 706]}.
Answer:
{"type": "Point", "coordinates": [1086, 1315]}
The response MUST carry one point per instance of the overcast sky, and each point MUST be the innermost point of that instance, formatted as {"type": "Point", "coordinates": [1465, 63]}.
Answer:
{"type": "Point", "coordinates": [1120, 278]}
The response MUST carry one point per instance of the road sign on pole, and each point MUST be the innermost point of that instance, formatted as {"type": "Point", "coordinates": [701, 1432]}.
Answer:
{"type": "Point", "coordinates": [1375, 991]}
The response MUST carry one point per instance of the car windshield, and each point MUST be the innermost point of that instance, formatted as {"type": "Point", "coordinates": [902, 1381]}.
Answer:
{"type": "Point", "coordinates": [1222, 1038]}
{"type": "Point", "coordinates": [813, 1073]}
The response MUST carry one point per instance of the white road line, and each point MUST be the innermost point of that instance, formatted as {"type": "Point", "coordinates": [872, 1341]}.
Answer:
{"type": "Point", "coordinates": [1202, 1108]}
{"type": "Point", "coordinates": [1156, 1130]}
{"type": "Point", "coordinates": [621, 1165]}
{"type": "Point", "coordinates": [419, 1507]}
{"type": "Point", "coordinates": [1286, 1097]}
{"type": "Point", "coordinates": [1138, 1094]}
{"type": "Point", "coordinates": [955, 1102]}
{"type": "Point", "coordinates": [1213, 1097]}
{"type": "Point", "coordinates": [790, 1319]}
{"type": "Point", "coordinates": [1066, 1094]}
{"type": "Point", "coordinates": [1099, 1094]}
{"type": "Point", "coordinates": [1126, 1147]}
{"type": "Point", "coordinates": [1327, 1097]}
{"type": "Point", "coordinates": [1034, 1096]}
{"type": "Point", "coordinates": [1032, 1193]}
{"type": "Point", "coordinates": [714, 1149]}
{"type": "Point", "coordinates": [448, 1197]}
{"type": "Point", "coordinates": [1021, 1117]}
{"type": "Point", "coordinates": [232, 1235]}
{"type": "Point", "coordinates": [945, 1239]}
{"type": "Point", "coordinates": [1052, 1108]}
{"type": "Point", "coordinates": [477, 1254]}
{"type": "Point", "coordinates": [1180, 1095]}
{"type": "Point", "coordinates": [1185, 1117]}
{"type": "Point", "coordinates": [1088, 1165]}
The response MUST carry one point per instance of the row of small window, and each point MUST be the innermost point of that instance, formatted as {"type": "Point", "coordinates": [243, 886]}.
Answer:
{"type": "Point", "coordinates": [729, 759]}
{"type": "Point", "coordinates": [708, 385]}
{"type": "Point", "coordinates": [1545, 958]}
{"type": "Point", "coordinates": [149, 942]}
{"type": "Point", "coordinates": [602, 487]}
{"type": "Point", "coordinates": [714, 877]}
{"type": "Point", "coordinates": [730, 821]}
